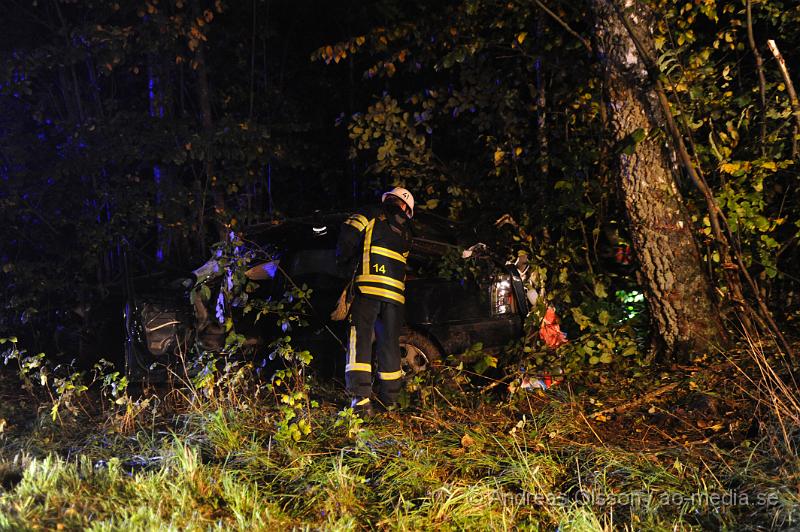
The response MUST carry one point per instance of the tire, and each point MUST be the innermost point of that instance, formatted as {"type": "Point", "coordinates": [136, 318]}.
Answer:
{"type": "Point", "coordinates": [417, 353]}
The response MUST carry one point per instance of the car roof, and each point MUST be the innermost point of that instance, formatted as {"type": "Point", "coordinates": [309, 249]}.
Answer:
{"type": "Point", "coordinates": [432, 234]}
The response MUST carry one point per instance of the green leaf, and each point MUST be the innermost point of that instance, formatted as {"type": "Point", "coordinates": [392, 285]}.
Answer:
{"type": "Point", "coordinates": [600, 290]}
{"type": "Point", "coordinates": [630, 350]}
{"type": "Point", "coordinates": [580, 318]}
{"type": "Point", "coordinates": [628, 144]}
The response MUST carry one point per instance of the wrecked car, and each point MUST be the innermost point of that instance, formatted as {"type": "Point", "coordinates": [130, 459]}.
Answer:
{"type": "Point", "coordinates": [444, 315]}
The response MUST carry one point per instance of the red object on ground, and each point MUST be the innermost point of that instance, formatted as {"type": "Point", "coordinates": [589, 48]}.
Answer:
{"type": "Point", "coordinates": [550, 332]}
{"type": "Point", "coordinates": [623, 254]}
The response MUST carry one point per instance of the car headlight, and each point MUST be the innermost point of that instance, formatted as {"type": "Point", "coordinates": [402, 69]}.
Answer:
{"type": "Point", "coordinates": [209, 270]}
{"type": "Point", "coordinates": [502, 295]}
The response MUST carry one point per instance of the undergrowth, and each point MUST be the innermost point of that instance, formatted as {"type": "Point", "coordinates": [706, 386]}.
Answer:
{"type": "Point", "coordinates": [455, 459]}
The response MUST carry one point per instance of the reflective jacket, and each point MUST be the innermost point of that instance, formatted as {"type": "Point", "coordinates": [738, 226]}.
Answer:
{"type": "Point", "coordinates": [381, 247]}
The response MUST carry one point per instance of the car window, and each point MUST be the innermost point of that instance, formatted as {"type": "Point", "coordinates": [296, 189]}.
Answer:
{"type": "Point", "coordinates": [313, 262]}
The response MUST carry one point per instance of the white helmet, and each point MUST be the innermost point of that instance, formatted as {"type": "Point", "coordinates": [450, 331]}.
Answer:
{"type": "Point", "coordinates": [403, 194]}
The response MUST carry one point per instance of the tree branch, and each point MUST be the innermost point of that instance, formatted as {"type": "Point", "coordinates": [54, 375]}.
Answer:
{"type": "Point", "coordinates": [649, 396]}
{"type": "Point", "coordinates": [762, 81]}
{"type": "Point", "coordinates": [790, 90]}
{"type": "Point", "coordinates": [564, 25]}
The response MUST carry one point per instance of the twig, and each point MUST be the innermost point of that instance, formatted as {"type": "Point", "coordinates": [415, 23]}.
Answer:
{"type": "Point", "coordinates": [446, 400]}
{"type": "Point", "coordinates": [592, 429]}
{"type": "Point", "coordinates": [41, 217]}
{"type": "Point", "coordinates": [762, 81]}
{"type": "Point", "coordinates": [564, 25]}
{"type": "Point", "coordinates": [790, 90]}
{"type": "Point", "coordinates": [497, 383]}
{"type": "Point", "coordinates": [643, 399]}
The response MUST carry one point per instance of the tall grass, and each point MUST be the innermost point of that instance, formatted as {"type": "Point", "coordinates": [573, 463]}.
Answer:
{"type": "Point", "coordinates": [215, 461]}
{"type": "Point", "coordinates": [774, 388]}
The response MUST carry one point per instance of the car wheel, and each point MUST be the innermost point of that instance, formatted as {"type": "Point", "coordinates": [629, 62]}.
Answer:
{"type": "Point", "coordinates": [417, 353]}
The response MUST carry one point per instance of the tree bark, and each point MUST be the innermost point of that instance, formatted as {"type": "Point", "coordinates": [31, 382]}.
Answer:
{"type": "Point", "coordinates": [678, 293]}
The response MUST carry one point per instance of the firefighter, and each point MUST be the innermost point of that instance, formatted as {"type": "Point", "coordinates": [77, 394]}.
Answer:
{"type": "Point", "coordinates": [375, 243]}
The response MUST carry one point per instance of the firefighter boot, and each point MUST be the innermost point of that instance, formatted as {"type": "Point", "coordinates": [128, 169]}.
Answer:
{"type": "Point", "coordinates": [362, 406]}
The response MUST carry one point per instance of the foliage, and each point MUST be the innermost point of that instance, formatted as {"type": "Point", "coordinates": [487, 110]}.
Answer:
{"type": "Point", "coordinates": [607, 338]}
{"type": "Point", "coordinates": [744, 149]}
{"type": "Point", "coordinates": [291, 387]}
{"type": "Point", "coordinates": [468, 463]}
{"type": "Point", "coordinates": [351, 422]}
{"type": "Point", "coordinates": [476, 111]}
{"type": "Point", "coordinates": [289, 384]}
{"type": "Point", "coordinates": [67, 389]}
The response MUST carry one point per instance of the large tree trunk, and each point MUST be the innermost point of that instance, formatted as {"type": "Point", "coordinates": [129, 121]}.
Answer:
{"type": "Point", "coordinates": [677, 290]}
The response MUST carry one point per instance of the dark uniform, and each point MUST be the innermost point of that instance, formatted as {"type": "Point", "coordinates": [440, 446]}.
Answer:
{"type": "Point", "coordinates": [381, 242]}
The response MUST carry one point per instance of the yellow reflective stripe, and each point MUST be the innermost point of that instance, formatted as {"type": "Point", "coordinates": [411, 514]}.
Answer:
{"type": "Point", "coordinates": [363, 401]}
{"type": "Point", "coordinates": [361, 218]}
{"type": "Point", "coordinates": [367, 245]}
{"type": "Point", "coordinates": [371, 290]}
{"type": "Point", "coordinates": [390, 375]}
{"type": "Point", "coordinates": [355, 223]}
{"type": "Point", "coordinates": [359, 366]}
{"type": "Point", "coordinates": [351, 355]}
{"type": "Point", "coordinates": [381, 279]}
{"type": "Point", "coordinates": [388, 253]}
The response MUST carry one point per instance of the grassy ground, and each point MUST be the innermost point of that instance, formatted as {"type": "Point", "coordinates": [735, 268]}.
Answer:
{"type": "Point", "coordinates": [458, 458]}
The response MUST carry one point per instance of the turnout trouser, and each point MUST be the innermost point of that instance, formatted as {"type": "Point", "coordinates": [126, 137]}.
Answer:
{"type": "Point", "coordinates": [385, 319]}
